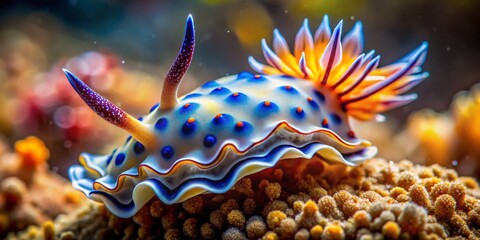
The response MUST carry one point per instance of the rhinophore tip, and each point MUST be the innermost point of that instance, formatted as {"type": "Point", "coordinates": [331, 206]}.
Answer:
{"type": "Point", "coordinates": [110, 112]}
{"type": "Point", "coordinates": [179, 67]}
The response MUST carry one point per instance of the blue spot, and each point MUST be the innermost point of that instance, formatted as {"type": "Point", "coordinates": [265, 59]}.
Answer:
{"type": "Point", "coordinates": [287, 76]}
{"type": "Point", "coordinates": [109, 159]}
{"type": "Point", "coordinates": [244, 128]}
{"type": "Point", "coordinates": [243, 75]}
{"type": "Point", "coordinates": [161, 124]}
{"type": "Point", "coordinates": [313, 104]}
{"type": "Point", "coordinates": [335, 118]}
{"type": "Point", "coordinates": [154, 107]}
{"type": "Point", "coordinates": [192, 95]}
{"type": "Point", "coordinates": [128, 139]}
{"type": "Point", "coordinates": [289, 89]}
{"type": "Point", "coordinates": [210, 84]}
{"type": "Point", "coordinates": [189, 127]}
{"type": "Point", "coordinates": [138, 148]}
{"type": "Point", "coordinates": [220, 91]}
{"type": "Point", "coordinates": [119, 159]}
{"type": "Point", "coordinates": [266, 108]}
{"type": "Point", "coordinates": [188, 108]}
{"type": "Point", "coordinates": [236, 98]}
{"type": "Point", "coordinates": [167, 152]}
{"type": "Point", "coordinates": [140, 119]}
{"type": "Point", "coordinates": [209, 141]}
{"type": "Point", "coordinates": [222, 119]}
{"type": "Point", "coordinates": [298, 113]}
{"type": "Point", "coordinates": [257, 78]}
{"type": "Point", "coordinates": [320, 96]}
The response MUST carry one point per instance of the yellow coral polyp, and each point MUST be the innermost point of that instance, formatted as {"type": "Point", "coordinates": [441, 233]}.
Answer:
{"type": "Point", "coordinates": [32, 151]}
{"type": "Point", "coordinates": [333, 231]}
{"type": "Point", "coordinates": [434, 131]}
{"type": "Point", "coordinates": [316, 232]}
{"type": "Point", "coordinates": [466, 111]}
{"type": "Point", "coordinates": [391, 230]}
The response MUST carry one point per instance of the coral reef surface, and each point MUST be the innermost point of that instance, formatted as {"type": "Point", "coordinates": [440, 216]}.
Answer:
{"type": "Point", "coordinates": [30, 194]}
{"type": "Point", "coordinates": [300, 199]}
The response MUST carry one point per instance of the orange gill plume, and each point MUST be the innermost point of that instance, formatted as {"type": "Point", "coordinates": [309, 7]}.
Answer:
{"type": "Point", "coordinates": [116, 116]}
{"type": "Point", "coordinates": [363, 89]}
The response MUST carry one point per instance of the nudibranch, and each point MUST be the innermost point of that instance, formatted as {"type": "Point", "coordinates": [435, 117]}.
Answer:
{"type": "Point", "coordinates": [297, 106]}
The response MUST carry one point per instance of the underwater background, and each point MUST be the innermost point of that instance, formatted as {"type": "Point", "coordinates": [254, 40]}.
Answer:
{"type": "Point", "coordinates": [124, 49]}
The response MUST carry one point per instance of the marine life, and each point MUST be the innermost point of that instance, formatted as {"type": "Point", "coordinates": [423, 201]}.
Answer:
{"type": "Point", "coordinates": [205, 141]}
{"type": "Point", "coordinates": [449, 138]}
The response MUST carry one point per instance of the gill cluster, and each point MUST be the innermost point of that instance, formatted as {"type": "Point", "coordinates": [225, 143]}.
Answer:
{"type": "Point", "coordinates": [364, 90]}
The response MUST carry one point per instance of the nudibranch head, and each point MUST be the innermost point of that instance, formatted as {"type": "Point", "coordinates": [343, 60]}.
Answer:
{"type": "Point", "coordinates": [235, 126]}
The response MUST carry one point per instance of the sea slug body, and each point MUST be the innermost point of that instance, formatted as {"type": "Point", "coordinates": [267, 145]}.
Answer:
{"type": "Point", "coordinates": [297, 107]}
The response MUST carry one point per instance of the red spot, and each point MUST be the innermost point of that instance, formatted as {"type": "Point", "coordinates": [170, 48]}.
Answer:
{"type": "Point", "coordinates": [256, 76]}
{"type": "Point", "coordinates": [299, 110]}
{"type": "Point", "coordinates": [288, 87]}
{"type": "Point", "coordinates": [325, 122]}
{"type": "Point", "coordinates": [191, 120]}
{"type": "Point", "coordinates": [218, 116]}
{"type": "Point", "coordinates": [235, 94]}
{"type": "Point", "coordinates": [186, 105]}
{"type": "Point", "coordinates": [351, 134]}
{"type": "Point", "coordinates": [267, 103]}
{"type": "Point", "coordinates": [309, 99]}
{"type": "Point", "coordinates": [239, 124]}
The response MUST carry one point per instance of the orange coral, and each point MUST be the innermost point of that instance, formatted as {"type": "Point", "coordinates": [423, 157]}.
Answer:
{"type": "Point", "coordinates": [316, 232]}
{"type": "Point", "coordinates": [32, 152]}
{"type": "Point", "coordinates": [445, 206]}
{"type": "Point", "coordinates": [419, 195]}
{"type": "Point", "coordinates": [273, 190]}
{"type": "Point", "coordinates": [391, 230]}
{"type": "Point", "coordinates": [333, 231]}
{"type": "Point", "coordinates": [274, 218]}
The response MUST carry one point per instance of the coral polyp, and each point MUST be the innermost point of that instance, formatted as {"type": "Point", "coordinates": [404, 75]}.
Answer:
{"type": "Point", "coordinates": [232, 127]}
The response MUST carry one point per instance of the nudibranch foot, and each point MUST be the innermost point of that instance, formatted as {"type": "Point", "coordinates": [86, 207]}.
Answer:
{"type": "Point", "coordinates": [297, 107]}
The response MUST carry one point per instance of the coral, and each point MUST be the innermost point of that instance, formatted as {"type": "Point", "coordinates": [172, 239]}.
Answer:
{"type": "Point", "coordinates": [287, 228]}
{"type": "Point", "coordinates": [419, 195]}
{"type": "Point", "coordinates": [445, 207]}
{"type": "Point", "coordinates": [236, 218]}
{"type": "Point", "coordinates": [391, 230]}
{"type": "Point", "coordinates": [316, 232]}
{"type": "Point", "coordinates": [333, 231]}
{"type": "Point", "coordinates": [32, 152]}
{"type": "Point", "coordinates": [193, 205]}
{"type": "Point", "coordinates": [274, 218]}
{"type": "Point", "coordinates": [335, 203]}
{"type": "Point", "coordinates": [29, 193]}
{"type": "Point", "coordinates": [455, 134]}
{"type": "Point", "coordinates": [256, 227]}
